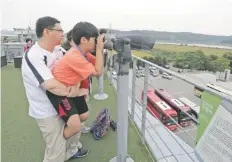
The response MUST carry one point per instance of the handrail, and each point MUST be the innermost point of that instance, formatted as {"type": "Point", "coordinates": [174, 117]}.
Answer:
{"type": "Point", "coordinates": [186, 79]}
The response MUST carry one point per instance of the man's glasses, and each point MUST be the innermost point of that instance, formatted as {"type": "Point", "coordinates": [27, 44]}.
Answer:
{"type": "Point", "coordinates": [59, 30]}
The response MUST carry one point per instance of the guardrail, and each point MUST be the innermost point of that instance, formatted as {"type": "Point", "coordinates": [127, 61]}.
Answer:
{"type": "Point", "coordinates": [164, 144]}
{"type": "Point", "coordinates": [12, 50]}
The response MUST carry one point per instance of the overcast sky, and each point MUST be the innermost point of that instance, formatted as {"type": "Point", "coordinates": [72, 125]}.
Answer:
{"type": "Point", "coordinates": [199, 16]}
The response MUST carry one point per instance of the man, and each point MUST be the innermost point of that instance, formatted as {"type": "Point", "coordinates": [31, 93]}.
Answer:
{"type": "Point", "coordinates": [37, 77]}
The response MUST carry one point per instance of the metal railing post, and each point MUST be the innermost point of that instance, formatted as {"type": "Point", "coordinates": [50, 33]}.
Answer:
{"type": "Point", "coordinates": [124, 59]}
{"type": "Point", "coordinates": [144, 104]}
{"type": "Point", "coordinates": [133, 89]}
{"type": "Point", "coordinates": [101, 95]}
{"type": "Point", "coordinates": [110, 68]}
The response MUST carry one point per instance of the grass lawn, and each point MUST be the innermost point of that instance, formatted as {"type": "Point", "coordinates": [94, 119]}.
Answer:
{"type": "Point", "coordinates": [22, 140]}
{"type": "Point", "coordinates": [178, 48]}
{"type": "Point", "coordinates": [141, 54]}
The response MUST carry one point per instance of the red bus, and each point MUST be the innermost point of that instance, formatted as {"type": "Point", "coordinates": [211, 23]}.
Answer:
{"type": "Point", "coordinates": [181, 109]}
{"type": "Point", "coordinates": [159, 109]}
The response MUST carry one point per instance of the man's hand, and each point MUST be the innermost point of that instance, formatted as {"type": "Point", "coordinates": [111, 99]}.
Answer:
{"type": "Point", "coordinates": [77, 91]}
{"type": "Point", "coordinates": [74, 90]}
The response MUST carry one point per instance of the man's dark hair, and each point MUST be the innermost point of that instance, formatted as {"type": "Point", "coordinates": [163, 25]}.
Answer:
{"type": "Point", "coordinates": [43, 23]}
{"type": "Point", "coordinates": [83, 29]}
{"type": "Point", "coordinates": [103, 31]}
{"type": "Point", "coordinates": [28, 40]}
{"type": "Point", "coordinates": [69, 35]}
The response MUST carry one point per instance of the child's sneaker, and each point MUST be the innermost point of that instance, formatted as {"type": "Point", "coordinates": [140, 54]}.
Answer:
{"type": "Point", "coordinates": [85, 129]}
{"type": "Point", "coordinates": [82, 152]}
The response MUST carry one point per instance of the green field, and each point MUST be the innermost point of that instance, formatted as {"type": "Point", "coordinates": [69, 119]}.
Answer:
{"type": "Point", "coordinates": [141, 54]}
{"type": "Point", "coordinates": [138, 53]}
{"type": "Point", "coordinates": [179, 48]}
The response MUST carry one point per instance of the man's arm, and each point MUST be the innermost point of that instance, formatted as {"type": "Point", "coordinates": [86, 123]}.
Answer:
{"type": "Point", "coordinates": [56, 87]}
{"type": "Point", "coordinates": [44, 76]}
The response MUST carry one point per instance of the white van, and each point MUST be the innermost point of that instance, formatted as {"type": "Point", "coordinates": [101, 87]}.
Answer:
{"type": "Point", "coordinates": [195, 108]}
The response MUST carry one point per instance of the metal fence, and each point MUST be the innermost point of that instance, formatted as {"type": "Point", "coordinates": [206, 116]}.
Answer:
{"type": "Point", "coordinates": [164, 144]}
{"type": "Point", "coordinates": [12, 50]}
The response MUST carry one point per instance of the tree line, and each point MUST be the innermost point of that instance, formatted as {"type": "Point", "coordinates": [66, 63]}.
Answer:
{"type": "Point", "coordinates": [190, 60]}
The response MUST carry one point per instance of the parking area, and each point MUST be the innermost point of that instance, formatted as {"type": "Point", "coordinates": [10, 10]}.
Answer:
{"type": "Point", "coordinates": [177, 88]}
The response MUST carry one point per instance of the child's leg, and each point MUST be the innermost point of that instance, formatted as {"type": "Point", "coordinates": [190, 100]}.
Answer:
{"type": "Point", "coordinates": [83, 112]}
{"type": "Point", "coordinates": [82, 108]}
{"type": "Point", "coordinates": [84, 128]}
{"type": "Point", "coordinates": [73, 126]}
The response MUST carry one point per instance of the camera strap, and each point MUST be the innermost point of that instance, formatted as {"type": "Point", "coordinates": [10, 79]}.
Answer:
{"type": "Point", "coordinates": [79, 49]}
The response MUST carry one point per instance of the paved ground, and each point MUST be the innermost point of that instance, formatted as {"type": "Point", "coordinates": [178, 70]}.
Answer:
{"type": "Point", "coordinates": [205, 77]}
{"type": "Point", "coordinates": [176, 87]}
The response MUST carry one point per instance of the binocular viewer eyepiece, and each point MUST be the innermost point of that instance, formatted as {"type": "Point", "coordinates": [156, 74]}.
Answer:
{"type": "Point", "coordinates": [111, 42]}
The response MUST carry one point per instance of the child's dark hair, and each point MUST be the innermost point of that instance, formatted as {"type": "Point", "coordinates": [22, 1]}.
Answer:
{"type": "Point", "coordinates": [103, 31]}
{"type": "Point", "coordinates": [28, 40]}
{"type": "Point", "coordinates": [69, 36]}
{"type": "Point", "coordinates": [83, 29]}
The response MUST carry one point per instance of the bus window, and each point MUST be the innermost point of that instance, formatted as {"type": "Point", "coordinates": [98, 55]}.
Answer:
{"type": "Point", "coordinates": [170, 121]}
{"type": "Point", "coordinates": [184, 116]}
{"type": "Point", "coordinates": [150, 102]}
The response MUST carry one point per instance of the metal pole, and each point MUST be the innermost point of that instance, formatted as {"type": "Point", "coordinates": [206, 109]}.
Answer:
{"type": "Point", "coordinates": [110, 58]}
{"type": "Point", "coordinates": [122, 105]}
{"type": "Point", "coordinates": [100, 95]}
{"type": "Point", "coordinates": [144, 104]}
{"type": "Point", "coordinates": [110, 68]}
{"type": "Point", "coordinates": [133, 90]}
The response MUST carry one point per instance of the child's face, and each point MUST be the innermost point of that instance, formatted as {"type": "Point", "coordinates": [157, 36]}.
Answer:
{"type": "Point", "coordinates": [90, 44]}
{"type": "Point", "coordinates": [29, 43]}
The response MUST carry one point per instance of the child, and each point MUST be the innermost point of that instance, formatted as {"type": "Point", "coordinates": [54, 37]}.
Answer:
{"type": "Point", "coordinates": [74, 68]}
{"type": "Point", "coordinates": [86, 84]}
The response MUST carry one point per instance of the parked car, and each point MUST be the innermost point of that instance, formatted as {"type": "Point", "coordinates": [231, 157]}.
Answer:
{"type": "Point", "coordinates": [167, 66]}
{"type": "Point", "coordinates": [114, 75]}
{"type": "Point", "coordinates": [151, 68]}
{"type": "Point", "coordinates": [154, 73]}
{"type": "Point", "coordinates": [167, 76]}
{"type": "Point", "coordinates": [139, 74]}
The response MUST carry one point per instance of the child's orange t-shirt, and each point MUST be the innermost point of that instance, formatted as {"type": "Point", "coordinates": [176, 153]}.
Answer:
{"type": "Point", "coordinates": [85, 83]}
{"type": "Point", "coordinates": [74, 67]}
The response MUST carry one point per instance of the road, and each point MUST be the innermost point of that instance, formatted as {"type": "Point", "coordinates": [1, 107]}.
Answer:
{"type": "Point", "coordinates": [176, 87]}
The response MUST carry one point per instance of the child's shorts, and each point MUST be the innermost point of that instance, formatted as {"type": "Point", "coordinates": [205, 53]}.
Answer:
{"type": "Point", "coordinates": [68, 106]}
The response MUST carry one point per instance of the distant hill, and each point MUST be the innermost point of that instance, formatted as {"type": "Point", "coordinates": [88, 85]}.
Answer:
{"type": "Point", "coordinates": [162, 36]}
{"type": "Point", "coordinates": [180, 37]}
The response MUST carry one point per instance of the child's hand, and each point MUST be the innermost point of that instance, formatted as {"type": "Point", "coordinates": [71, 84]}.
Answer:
{"type": "Point", "coordinates": [83, 92]}
{"type": "Point", "coordinates": [74, 90]}
{"type": "Point", "coordinates": [87, 98]}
